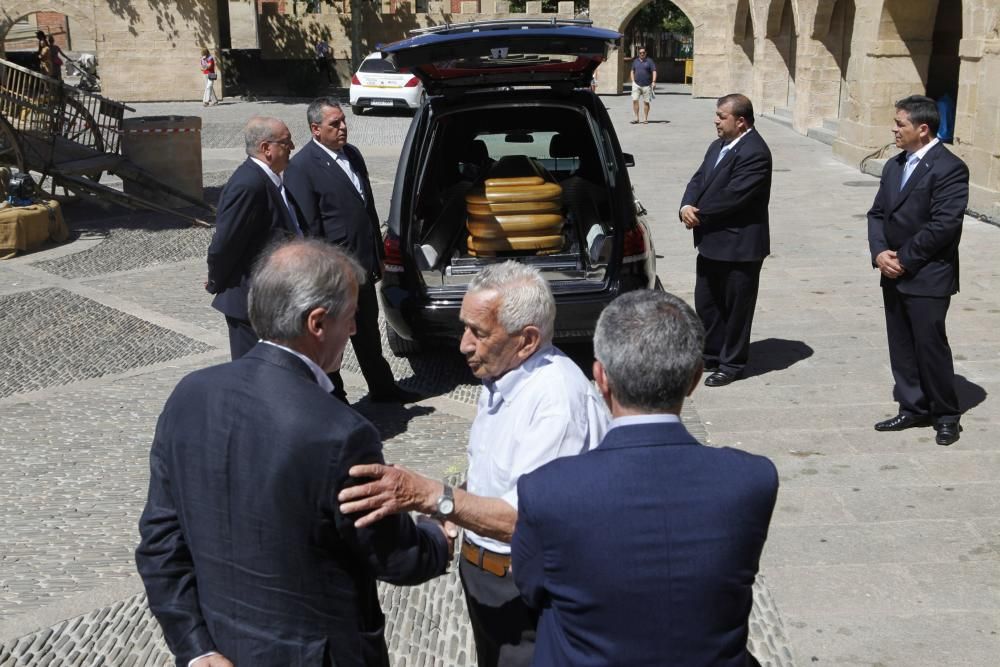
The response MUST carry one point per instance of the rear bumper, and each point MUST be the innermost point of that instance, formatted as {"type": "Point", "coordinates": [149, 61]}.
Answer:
{"type": "Point", "coordinates": [423, 319]}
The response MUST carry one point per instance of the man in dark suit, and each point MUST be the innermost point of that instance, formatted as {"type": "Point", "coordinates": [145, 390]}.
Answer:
{"type": "Point", "coordinates": [725, 204]}
{"type": "Point", "coordinates": [253, 210]}
{"type": "Point", "coordinates": [329, 181]}
{"type": "Point", "coordinates": [245, 554]}
{"type": "Point", "coordinates": [644, 550]}
{"type": "Point", "coordinates": [914, 228]}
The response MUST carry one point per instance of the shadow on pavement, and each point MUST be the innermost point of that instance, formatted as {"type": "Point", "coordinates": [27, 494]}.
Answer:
{"type": "Point", "coordinates": [775, 354]}
{"type": "Point", "coordinates": [391, 419]}
{"type": "Point", "coordinates": [970, 394]}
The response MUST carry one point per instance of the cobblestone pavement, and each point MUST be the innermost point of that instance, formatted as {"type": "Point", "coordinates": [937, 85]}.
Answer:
{"type": "Point", "coordinates": [96, 333]}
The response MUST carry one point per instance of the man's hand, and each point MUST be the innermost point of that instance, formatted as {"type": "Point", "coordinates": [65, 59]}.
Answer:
{"type": "Point", "coordinates": [394, 489]}
{"type": "Point", "coordinates": [888, 264]}
{"type": "Point", "coordinates": [449, 529]}
{"type": "Point", "coordinates": [689, 216]}
{"type": "Point", "coordinates": [213, 660]}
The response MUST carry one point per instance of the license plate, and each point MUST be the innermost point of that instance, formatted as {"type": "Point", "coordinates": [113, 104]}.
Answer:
{"type": "Point", "coordinates": [382, 103]}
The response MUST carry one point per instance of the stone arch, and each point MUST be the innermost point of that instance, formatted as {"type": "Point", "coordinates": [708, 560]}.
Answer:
{"type": "Point", "coordinates": [743, 47]}
{"type": "Point", "coordinates": [830, 71]}
{"type": "Point", "coordinates": [778, 58]}
{"type": "Point", "coordinates": [711, 62]}
{"type": "Point", "coordinates": [82, 12]}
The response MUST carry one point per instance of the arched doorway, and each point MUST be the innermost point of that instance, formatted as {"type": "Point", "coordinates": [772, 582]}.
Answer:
{"type": "Point", "coordinates": [834, 30]}
{"type": "Point", "coordinates": [930, 33]}
{"type": "Point", "coordinates": [743, 49]}
{"type": "Point", "coordinates": [779, 71]}
{"type": "Point", "coordinates": [668, 35]}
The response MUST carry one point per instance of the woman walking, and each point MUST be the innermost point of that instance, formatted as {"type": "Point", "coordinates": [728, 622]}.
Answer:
{"type": "Point", "coordinates": [208, 69]}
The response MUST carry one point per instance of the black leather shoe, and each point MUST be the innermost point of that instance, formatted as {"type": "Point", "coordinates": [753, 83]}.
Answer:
{"type": "Point", "coordinates": [719, 379]}
{"type": "Point", "coordinates": [902, 422]}
{"type": "Point", "coordinates": [947, 433]}
{"type": "Point", "coordinates": [395, 395]}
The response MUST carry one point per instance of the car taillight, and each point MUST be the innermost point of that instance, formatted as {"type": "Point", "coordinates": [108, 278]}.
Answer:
{"type": "Point", "coordinates": [355, 80]}
{"type": "Point", "coordinates": [412, 82]}
{"type": "Point", "coordinates": [393, 259]}
{"type": "Point", "coordinates": [634, 248]}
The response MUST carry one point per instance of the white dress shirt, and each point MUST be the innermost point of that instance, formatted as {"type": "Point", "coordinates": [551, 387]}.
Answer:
{"type": "Point", "coordinates": [543, 409]}
{"type": "Point", "coordinates": [728, 147]}
{"type": "Point", "coordinates": [633, 420]}
{"type": "Point", "coordinates": [913, 159]}
{"type": "Point", "coordinates": [341, 159]}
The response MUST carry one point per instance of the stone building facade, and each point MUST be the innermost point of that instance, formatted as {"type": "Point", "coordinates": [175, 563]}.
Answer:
{"type": "Point", "coordinates": [832, 68]}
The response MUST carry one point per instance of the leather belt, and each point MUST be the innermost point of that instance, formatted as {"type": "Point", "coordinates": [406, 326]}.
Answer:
{"type": "Point", "coordinates": [484, 559]}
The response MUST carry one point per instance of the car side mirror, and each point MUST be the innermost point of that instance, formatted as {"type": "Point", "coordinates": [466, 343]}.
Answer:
{"type": "Point", "coordinates": [629, 159]}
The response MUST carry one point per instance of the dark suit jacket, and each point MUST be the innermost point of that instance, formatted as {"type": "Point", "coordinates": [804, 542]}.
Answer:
{"type": "Point", "coordinates": [732, 201]}
{"type": "Point", "coordinates": [643, 551]}
{"type": "Point", "coordinates": [331, 206]}
{"type": "Point", "coordinates": [923, 222]}
{"type": "Point", "coordinates": [251, 214]}
{"type": "Point", "coordinates": [244, 550]}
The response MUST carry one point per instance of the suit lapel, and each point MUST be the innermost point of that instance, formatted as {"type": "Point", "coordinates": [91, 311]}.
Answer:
{"type": "Point", "coordinates": [919, 171]}
{"type": "Point", "coordinates": [335, 170]}
{"type": "Point", "coordinates": [710, 167]}
{"type": "Point", "coordinates": [274, 195]}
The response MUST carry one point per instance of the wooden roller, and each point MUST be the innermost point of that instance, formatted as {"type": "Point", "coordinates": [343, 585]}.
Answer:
{"type": "Point", "coordinates": [514, 208]}
{"type": "Point", "coordinates": [551, 242]}
{"type": "Point", "coordinates": [514, 181]}
{"type": "Point", "coordinates": [476, 198]}
{"type": "Point", "coordinates": [525, 193]}
{"type": "Point", "coordinates": [523, 222]}
{"type": "Point", "coordinates": [487, 230]}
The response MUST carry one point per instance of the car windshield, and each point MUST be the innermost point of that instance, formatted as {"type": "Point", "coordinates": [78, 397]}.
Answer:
{"type": "Point", "coordinates": [377, 66]}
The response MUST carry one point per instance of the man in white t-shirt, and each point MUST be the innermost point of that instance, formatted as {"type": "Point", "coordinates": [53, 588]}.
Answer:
{"type": "Point", "coordinates": [535, 406]}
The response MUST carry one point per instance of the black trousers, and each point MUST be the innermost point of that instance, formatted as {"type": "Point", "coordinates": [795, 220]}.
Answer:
{"type": "Point", "coordinates": [367, 343]}
{"type": "Point", "coordinates": [920, 355]}
{"type": "Point", "coordinates": [503, 626]}
{"type": "Point", "coordinates": [725, 296]}
{"type": "Point", "coordinates": [242, 337]}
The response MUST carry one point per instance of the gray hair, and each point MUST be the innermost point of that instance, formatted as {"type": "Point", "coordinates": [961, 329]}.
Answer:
{"type": "Point", "coordinates": [650, 344]}
{"type": "Point", "coordinates": [525, 297]}
{"type": "Point", "coordinates": [291, 278]}
{"type": "Point", "coordinates": [259, 129]}
{"type": "Point", "coordinates": [314, 114]}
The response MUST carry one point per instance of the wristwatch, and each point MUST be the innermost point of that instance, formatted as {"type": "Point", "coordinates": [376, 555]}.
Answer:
{"type": "Point", "coordinates": [445, 504]}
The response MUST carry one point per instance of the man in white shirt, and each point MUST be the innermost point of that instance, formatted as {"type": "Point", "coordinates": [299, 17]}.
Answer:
{"type": "Point", "coordinates": [535, 406]}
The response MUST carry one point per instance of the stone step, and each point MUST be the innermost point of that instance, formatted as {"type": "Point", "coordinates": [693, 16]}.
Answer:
{"type": "Point", "coordinates": [823, 134]}
{"type": "Point", "coordinates": [832, 124]}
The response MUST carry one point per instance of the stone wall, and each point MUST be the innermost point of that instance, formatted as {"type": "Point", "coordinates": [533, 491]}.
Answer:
{"type": "Point", "coordinates": [146, 50]}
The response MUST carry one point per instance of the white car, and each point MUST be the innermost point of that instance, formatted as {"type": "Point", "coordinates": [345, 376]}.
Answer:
{"type": "Point", "coordinates": [378, 83]}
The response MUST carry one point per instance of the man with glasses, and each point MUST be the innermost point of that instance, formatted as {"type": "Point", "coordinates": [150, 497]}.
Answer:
{"type": "Point", "coordinates": [643, 76]}
{"type": "Point", "coordinates": [329, 181]}
{"type": "Point", "coordinates": [253, 210]}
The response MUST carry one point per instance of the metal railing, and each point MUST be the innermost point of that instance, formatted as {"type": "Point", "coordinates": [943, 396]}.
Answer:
{"type": "Point", "coordinates": [34, 103]}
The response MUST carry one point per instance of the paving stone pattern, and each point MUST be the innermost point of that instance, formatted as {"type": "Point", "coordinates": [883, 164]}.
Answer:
{"type": "Point", "coordinates": [55, 337]}
{"type": "Point", "coordinates": [125, 249]}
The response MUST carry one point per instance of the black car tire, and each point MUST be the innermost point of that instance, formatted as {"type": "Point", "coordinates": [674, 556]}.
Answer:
{"type": "Point", "coordinates": [398, 345]}
{"type": "Point", "coordinates": [357, 110]}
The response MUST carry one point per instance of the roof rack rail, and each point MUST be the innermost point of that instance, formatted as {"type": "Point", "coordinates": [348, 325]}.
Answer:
{"type": "Point", "coordinates": [496, 24]}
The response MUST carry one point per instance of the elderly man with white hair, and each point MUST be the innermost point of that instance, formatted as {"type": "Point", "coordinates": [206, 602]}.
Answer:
{"type": "Point", "coordinates": [536, 405]}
